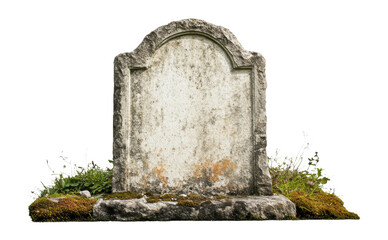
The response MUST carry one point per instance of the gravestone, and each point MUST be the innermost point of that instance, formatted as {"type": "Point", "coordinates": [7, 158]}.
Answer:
{"type": "Point", "coordinates": [189, 114]}
{"type": "Point", "coordinates": [190, 123]}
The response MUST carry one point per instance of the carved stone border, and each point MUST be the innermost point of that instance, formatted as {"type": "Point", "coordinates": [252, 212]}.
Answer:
{"type": "Point", "coordinates": [140, 58]}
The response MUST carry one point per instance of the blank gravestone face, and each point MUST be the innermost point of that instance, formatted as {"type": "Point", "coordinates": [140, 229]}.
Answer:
{"type": "Point", "coordinates": [190, 114]}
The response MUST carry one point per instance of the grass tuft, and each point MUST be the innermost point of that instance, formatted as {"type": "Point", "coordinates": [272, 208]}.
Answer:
{"type": "Point", "coordinates": [92, 178]}
{"type": "Point", "coordinates": [305, 188]}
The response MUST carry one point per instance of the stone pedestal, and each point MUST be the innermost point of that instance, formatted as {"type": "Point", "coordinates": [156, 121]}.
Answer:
{"type": "Point", "coordinates": [275, 207]}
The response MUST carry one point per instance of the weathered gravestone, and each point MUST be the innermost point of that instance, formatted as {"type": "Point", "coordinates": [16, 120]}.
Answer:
{"type": "Point", "coordinates": [189, 114]}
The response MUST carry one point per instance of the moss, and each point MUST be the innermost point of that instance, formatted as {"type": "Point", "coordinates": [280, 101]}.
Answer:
{"type": "Point", "coordinates": [320, 205]}
{"type": "Point", "coordinates": [123, 195]}
{"type": "Point", "coordinates": [149, 194]}
{"type": "Point", "coordinates": [196, 197]}
{"type": "Point", "coordinates": [153, 199]}
{"type": "Point", "coordinates": [61, 208]}
{"type": "Point", "coordinates": [169, 197]}
{"type": "Point", "coordinates": [188, 203]}
{"type": "Point", "coordinates": [57, 195]}
{"type": "Point", "coordinates": [221, 197]}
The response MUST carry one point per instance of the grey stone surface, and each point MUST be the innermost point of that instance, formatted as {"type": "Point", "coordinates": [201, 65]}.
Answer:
{"type": "Point", "coordinates": [189, 114]}
{"type": "Point", "coordinates": [237, 208]}
{"type": "Point", "coordinates": [85, 193]}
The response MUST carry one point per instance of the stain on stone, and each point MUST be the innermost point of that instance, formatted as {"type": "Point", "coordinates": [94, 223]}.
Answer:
{"type": "Point", "coordinates": [159, 173]}
{"type": "Point", "coordinates": [209, 172]}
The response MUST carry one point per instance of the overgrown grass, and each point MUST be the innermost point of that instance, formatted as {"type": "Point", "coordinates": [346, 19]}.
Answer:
{"type": "Point", "coordinates": [288, 177]}
{"type": "Point", "coordinates": [96, 180]}
{"type": "Point", "coordinates": [305, 188]}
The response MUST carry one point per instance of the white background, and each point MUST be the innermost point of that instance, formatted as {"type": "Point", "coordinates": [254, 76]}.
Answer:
{"type": "Point", "coordinates": [327, 82]}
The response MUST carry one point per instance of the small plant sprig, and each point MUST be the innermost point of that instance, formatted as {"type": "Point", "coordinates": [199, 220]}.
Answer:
{"type": "Point", "coordinates": [287, 177]}
{"type": "Point", "coordinates": [315, 177]}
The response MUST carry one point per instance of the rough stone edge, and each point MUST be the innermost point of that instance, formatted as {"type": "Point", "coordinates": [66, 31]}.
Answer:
{"type": "Point", "coordinates": [276, 207]}
{"type": "Point", "coordinates": [139, 59]}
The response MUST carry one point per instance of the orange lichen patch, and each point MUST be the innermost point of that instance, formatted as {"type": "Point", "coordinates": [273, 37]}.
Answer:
{"type": "Point", "coordinates": [219, 168]}
{"type": "Point", "coordinates": [66, 208]}
{"type": "Point", "coordinates": [160, 174]}
{"type": "Point", "coordinates": [198, 171]}
{"type": "Point", "coordinates": [213, 170]}
{"type": "Point", "coordinates": [155, 174]}
{"type": "Point", "coordinates": [201, 168]}
{"type": "Point", "coordinates": [320, 205]}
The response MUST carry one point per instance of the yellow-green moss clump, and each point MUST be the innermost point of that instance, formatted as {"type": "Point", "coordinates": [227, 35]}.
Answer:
{"type": "Point", "coordinates": [320, 205]}
{"type": "Point", "coordinates": [190, 200]}
{"type": "Point", "coordinates": [64, 208]}
{"type": "Point", "coordinates": [221, 197]}
{"type": "Point", "coordinates": [169, 197]}
{"type": "Point", "coordinates": [196, 197]}
{"type": "Point", "coordinates": [123, 195]}
{"type": "Point", "coordinates": [153, 199]}
{"type": "Point", "coordinates": [188, 203]}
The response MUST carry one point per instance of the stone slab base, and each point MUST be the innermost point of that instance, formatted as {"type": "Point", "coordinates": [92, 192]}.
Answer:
{"type": "Point", "coordinates": [233, 208]}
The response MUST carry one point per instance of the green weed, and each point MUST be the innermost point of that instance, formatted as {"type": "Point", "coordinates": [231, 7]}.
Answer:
{"type": "Point", "coordinates": [287, 176]}
{"type": "Point", "coordinates": [92, 178]}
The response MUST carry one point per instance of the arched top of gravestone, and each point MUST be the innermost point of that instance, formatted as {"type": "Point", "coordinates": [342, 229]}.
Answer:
{"type": "Point", "coordinates": [240, 58]}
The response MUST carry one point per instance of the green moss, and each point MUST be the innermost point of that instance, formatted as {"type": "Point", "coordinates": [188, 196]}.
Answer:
{"type": "Point", "coordinates": [57, 195]}
{"type": "Point", "coordinates": [221, 197]}
{"type": "Point", "coordinates": [61, 208]}
{"type": "Point", "coordinates": [320, 205]}
{"type": "Point", "coordinates": [196, 197]}
{"type": "Point", "coordinates": [123, 195]}
{"type": "Point", "coordinates": [169, 197]}
{"type": "Point", "coordinates": [153, 199]}
{"type": "Point", "coordinates": [188, 203]}
{"type": "Point", "coordinates": [149, 194]}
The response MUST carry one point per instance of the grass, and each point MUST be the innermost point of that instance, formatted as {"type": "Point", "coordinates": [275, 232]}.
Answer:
{"type": "Point", "coordinates": [304, 187]}
{"type": "Point", "coordinates": [287, 176]}
{"type": "Point", "coordinates": [96, 180]}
